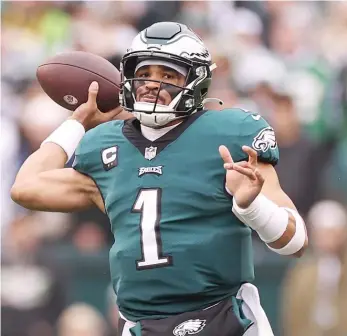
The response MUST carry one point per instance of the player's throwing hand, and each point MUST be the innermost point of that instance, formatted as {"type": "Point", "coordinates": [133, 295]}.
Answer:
{"type": "Point", "coordinates": [243, 179]}
{"type": "Point", "coordinates": [88, 113]}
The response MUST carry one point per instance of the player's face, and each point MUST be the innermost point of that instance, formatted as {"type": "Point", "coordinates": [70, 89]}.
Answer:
{"type": "Point", "coordinates": [147, 90]}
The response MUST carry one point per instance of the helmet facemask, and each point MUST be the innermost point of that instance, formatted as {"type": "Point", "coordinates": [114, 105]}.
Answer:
{"type": "Point", "coordinates": [185, 99]}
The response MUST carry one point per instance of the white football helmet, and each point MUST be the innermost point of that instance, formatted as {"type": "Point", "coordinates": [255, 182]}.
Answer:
{"type": "Point", "coordinates": [174, 43]}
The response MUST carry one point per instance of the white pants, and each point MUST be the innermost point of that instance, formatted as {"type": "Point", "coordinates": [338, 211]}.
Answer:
{"type": "Point", "coordinates": [251, 308]}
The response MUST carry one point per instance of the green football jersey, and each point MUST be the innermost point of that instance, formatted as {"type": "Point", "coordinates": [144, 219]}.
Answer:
{"type": "Point", "coordinates": [178, 246]}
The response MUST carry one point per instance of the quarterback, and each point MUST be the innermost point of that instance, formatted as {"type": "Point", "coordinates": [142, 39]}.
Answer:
{"type": "Point", "coordinates": [182, 186]}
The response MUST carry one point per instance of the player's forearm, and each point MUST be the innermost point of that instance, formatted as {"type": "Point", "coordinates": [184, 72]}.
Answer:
{"type": "Point", "coordinates": [54, 152]}
{"type": "Point", "coordinates": [48, 157]}
{"type": "Point", "coordinates": [274, 217]}
{"type": "Point", "coordinates": [280, 198]}
{"type": "Point", "coordinates": [287, 236]}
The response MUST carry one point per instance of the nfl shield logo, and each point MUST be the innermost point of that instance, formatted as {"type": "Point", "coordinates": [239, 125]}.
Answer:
{"type": "Point", "coordinates": [150, 152]}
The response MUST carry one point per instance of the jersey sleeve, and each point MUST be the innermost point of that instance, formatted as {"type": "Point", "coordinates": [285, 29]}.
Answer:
{"type": "Point", "coordinates": [78, 163]}
{"type": "Point", "coordinates": [256, 133]}
{"type": "Point", "coordinates": [84, 155]}
{"type": "Point", "coordinates": [95, 154]}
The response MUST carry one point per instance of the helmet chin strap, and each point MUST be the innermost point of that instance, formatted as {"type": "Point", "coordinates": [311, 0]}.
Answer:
{"type": "Point", "coordinates": [149, 107]}
{"type": "Point", "coordinates": [155, 120]}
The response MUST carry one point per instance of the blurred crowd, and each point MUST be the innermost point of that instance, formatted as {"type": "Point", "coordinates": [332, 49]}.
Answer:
{"type": "Point", "coordinates": [286, 60]}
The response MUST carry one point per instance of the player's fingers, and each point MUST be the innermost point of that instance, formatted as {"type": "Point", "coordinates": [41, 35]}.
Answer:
{"type": "Point", "coordinates": [226, 156]}
{"type": "Point", "coordinates": [244, 164]}
{"type": "Point", "coordinates": [115, 111]}
{"type": "Point", "coordinates": [245, 171]}
{"type": "Point", "coordinates": [112, 114]}
{"type": "Point", "coordinates": [259, 176]}
{"type": "Point", "coordinates": [252, 155]}
{"type": "Point", "coordinates": [92, 93]}
{"type": "Point", "coordinates": [229, 166]}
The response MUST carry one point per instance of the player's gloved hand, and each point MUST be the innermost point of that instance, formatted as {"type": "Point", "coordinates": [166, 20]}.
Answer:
{"type": "Point", "coordinates": [243, 179]}
{"type": "Point", "coordinates": [88, 113]}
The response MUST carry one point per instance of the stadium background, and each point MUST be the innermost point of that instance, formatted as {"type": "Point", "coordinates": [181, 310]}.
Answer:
{"type": "Point", "coordinates": [285, 60]}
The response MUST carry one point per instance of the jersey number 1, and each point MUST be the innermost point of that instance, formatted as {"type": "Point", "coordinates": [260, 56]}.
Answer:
{"type": "Point", "coordinates": [148, 203]}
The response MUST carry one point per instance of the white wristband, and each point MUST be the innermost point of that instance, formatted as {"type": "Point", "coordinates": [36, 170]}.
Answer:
{"type": "Point", "coordinates": [264, 216]}
{"type": "Point", "coordinates": [68, 135]}
{"type": "Point", "coordinates": [298, 240]}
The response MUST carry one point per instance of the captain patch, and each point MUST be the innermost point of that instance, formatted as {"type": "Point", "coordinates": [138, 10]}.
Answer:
{"type": "Point", "coordinates": [109, 157]}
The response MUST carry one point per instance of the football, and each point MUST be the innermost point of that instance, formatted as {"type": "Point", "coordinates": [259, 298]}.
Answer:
{"type": "Point", "coordinates": [66, 77]}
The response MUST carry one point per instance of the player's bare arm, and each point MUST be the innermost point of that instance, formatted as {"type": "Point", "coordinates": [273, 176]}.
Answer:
{"type": "Point", "coordinates": [247, 179]}
{"type": "Point", "coordinates": [272, 189]}
{"type": "Point", "coordinates": [43, 183]}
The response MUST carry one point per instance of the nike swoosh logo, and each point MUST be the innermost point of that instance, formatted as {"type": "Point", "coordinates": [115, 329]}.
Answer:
{"type": "Point", "coordinates": [256, 117]}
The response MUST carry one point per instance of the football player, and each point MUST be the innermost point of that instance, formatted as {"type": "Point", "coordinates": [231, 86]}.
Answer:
{"type": "Point", "coordinates": [182, 187]}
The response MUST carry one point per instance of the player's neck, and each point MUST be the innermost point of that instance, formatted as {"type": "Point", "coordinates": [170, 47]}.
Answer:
{"type": "Point", "coordinates": [153, 134]}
